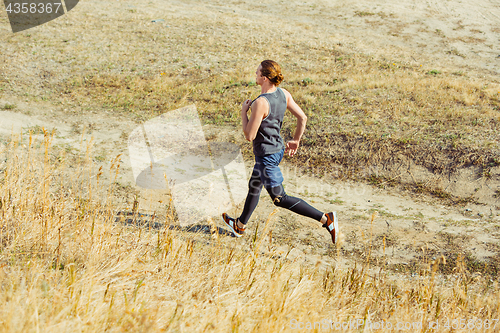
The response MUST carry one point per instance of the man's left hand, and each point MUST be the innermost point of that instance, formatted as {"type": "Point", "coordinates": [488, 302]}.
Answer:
{"type": "Point", "coordinates": [292, 147]}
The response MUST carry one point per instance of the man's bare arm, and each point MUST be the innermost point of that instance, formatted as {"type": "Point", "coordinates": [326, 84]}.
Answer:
{"type": "Point", "coordinates": [251, 126]}
{"type": "Point", "coordinates": [293, 145]}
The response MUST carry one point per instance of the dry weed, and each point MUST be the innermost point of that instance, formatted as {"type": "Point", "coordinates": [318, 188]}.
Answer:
{"type": "Point", "coordinates": [66, 265]}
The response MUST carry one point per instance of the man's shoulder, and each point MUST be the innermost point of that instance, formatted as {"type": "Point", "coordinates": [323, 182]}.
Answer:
{"type": "Point", "coordinates": [260, 101]}
{"type": "Point", "coordinates": [286, 92]}
{"type": "Point", "coordinates": [260, 105]}
{"type": "Point", "coordinates": [288, 96]}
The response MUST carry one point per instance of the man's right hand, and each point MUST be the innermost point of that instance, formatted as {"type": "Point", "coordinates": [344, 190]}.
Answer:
{"type": "Point", "coordinates": [246, 105]}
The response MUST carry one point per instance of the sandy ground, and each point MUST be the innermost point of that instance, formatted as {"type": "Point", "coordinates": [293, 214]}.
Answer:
{"type": "Point", "coordinates": [461, 36]}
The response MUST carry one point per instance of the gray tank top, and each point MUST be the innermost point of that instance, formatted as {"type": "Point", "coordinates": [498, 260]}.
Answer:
{"type": "Point", "coordinates": [268, 139]}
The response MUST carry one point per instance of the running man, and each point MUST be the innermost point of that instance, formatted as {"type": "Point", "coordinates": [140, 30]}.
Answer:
{"type": "Point", "coordinates": [263, 129]}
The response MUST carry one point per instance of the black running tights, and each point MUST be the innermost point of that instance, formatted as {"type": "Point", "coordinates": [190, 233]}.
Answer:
{"type": "Point", "coordinates": [280, 199]}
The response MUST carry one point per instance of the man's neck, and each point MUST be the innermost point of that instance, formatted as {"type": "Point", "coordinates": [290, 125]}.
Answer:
{"type": "Point", "coordinates": [267, 88]}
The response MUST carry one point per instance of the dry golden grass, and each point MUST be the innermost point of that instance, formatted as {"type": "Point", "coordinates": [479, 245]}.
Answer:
{"type": "Point", "coordinates": [65, 265]}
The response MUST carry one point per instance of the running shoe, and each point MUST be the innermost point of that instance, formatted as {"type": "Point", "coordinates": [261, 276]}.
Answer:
{"type": "Point", "coordinates": [332, 226]}
{"type": "Point", "coordinates": [237, 231]}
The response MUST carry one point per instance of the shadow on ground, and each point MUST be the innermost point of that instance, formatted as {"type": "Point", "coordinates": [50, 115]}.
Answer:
{"type": "Point", "coordinates": [158, 222]}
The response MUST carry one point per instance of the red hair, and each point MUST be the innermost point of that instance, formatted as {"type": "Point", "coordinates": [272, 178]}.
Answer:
{"type": "Point", "coordinates": [272, 71]}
